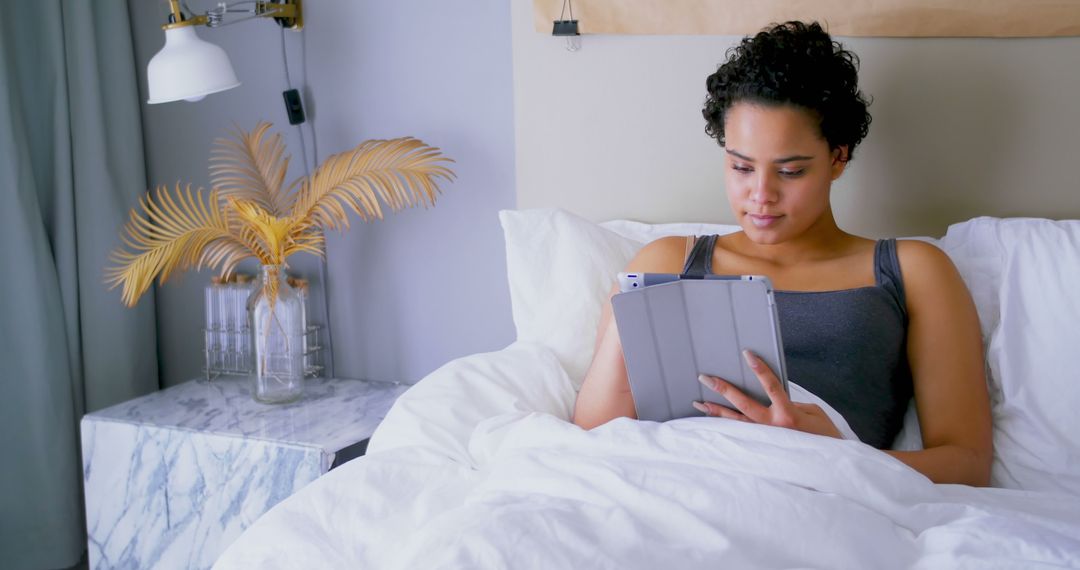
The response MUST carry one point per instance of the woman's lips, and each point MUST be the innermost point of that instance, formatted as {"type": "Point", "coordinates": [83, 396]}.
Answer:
{"type": "Point", "coordinates": [763, 221]}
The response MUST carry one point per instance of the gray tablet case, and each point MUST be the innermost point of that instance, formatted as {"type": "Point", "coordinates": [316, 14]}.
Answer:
{"type": "Point", "coordinates": [673, 331]}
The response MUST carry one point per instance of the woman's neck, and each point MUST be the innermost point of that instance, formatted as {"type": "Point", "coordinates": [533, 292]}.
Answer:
{"type": "Point", "coordinates": [823, 240]}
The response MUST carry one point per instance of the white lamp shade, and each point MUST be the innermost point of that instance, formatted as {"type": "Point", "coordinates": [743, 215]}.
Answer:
{"type": "Point", "coordinates": [188, 68]}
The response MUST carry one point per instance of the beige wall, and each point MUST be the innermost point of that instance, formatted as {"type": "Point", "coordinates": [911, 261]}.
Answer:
{"type": "Point", "coordinates": [962, 128]}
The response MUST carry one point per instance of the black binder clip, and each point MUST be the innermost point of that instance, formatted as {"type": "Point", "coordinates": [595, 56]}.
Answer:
{"type": "Point", "coordinates": [565, 28]}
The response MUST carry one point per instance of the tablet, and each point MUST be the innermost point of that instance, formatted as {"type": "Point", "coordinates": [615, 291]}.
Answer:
{"type": "Point", "coordinates": [674, 327]}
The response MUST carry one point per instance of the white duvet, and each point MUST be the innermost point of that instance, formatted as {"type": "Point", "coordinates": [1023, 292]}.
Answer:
{"type": "Point", "coordinates": [477, 467]}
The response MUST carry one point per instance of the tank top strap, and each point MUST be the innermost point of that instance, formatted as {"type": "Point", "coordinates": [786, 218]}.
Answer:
{"type": "Point", "coordinates": [699, 262]}
{"type": "Point", "coordinates": [887, 272]}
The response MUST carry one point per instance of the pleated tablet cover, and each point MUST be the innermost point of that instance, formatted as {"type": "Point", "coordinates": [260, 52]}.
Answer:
{"type": "Point", "coordinates": [672, 332]}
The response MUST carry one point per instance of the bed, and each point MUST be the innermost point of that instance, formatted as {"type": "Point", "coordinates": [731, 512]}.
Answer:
{"type": "Point", "coordinates": [477, 465]}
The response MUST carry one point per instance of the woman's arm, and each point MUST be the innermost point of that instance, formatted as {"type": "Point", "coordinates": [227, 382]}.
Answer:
{"type": "Point", "coordinates": [605, 393]}
{"type": "Point", "coordinates": [945, 352]}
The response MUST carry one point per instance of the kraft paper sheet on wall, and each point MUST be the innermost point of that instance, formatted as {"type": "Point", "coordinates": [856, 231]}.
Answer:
{"type": "Point", "coordinates": [885, 18]}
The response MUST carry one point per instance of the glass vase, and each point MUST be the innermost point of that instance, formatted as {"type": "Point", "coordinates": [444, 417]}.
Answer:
{"type": "Point", "coordinates": [275, 313]}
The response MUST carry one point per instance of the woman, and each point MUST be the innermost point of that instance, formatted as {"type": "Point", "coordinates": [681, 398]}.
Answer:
{"type": "Point", "coordinates": [866, 324]}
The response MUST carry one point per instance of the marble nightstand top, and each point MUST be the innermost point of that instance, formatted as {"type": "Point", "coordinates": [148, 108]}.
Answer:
{"type": "Point", "coordinates": [332, 414]}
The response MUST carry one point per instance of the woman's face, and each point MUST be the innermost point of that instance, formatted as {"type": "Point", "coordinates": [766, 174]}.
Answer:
{"type": "Point", "coordinates": [779, 170]}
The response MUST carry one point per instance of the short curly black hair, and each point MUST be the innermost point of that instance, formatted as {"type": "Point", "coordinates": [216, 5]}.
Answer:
{"type": "Point", "coordinates": [792, 64]}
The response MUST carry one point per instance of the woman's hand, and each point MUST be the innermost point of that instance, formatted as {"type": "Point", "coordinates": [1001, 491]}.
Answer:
{"type": "Point", "coordinates": [783, 412]}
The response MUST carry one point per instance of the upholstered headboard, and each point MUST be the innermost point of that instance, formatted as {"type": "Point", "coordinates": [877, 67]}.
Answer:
{"type": "Point", "coordinates": [962, 128]}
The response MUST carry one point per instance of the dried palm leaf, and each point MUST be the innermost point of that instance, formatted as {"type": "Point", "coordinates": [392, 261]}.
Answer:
{"type": "Point", "coordinates": [271, 232]}
{"type": "Point", "coordinates": [399, 172]}
{"type": "Point", "coordinates": [176, 233]}
{"type": "Point", "coordinates": [248, 215]}
{"type": "Point", "coordinates": [311, 240]}
{"type": "Point", "coordinates": [251, 168]}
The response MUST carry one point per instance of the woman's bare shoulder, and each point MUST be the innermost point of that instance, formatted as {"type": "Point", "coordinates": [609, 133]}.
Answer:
{"type": "Point", "coordinates": [664, 255]}
{"type": "Point", "coordinates": [928, 272]}
{"type": "Point", "coordinates": [923, 260]}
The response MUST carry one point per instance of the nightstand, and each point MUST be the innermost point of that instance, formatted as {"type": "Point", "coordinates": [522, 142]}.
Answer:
{"type": "Point", "coordinates": [173, 477]}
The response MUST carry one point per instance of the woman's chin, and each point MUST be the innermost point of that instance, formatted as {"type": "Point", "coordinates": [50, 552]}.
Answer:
{"type": "Point", "coordinates": [762, 236]}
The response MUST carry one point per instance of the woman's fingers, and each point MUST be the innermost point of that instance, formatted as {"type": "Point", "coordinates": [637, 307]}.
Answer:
{"type": "Point", "coordinates": [779, 413]}
{"type": "Point", "coordinates": [782, 413]}
{"type": "Point", "coordinates": [767, 378]}
{"type": "Point", "coordinates": [711, 409]}
{"type": "Point", "coordinates": [745, 404]}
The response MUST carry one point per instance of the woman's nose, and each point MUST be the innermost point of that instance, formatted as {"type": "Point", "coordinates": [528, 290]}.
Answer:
{"type": "Point", "coordinates": [763, 190]}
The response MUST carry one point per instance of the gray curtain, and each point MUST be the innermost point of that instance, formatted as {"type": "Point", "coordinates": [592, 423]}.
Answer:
{"type": "Point", "coordinates": [71, 164]}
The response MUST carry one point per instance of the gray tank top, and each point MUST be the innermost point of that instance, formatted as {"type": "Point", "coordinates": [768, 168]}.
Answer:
{"type": "Point", "coordinates": [848, 347]}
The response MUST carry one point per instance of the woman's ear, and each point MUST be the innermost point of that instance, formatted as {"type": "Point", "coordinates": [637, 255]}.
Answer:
{"type": "Point", "coordinates": [840, 159]}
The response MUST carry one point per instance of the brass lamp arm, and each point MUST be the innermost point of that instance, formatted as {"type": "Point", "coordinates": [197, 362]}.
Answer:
{"type": "Point", "coordinates": [287, 13]}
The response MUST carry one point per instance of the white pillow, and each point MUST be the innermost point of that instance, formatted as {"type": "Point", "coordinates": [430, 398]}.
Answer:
{"type": "Point", "coordinates": [1023, 274]}
{"type": "Point", "coordinates": [646, 233]}
{"type": "Point", "coordinates": [561, 268]}
{"type": "Point", "coordinates": [974, 248]}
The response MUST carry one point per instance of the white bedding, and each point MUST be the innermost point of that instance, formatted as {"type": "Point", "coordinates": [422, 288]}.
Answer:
{"type": "Point", "coordinates": [477, 467]}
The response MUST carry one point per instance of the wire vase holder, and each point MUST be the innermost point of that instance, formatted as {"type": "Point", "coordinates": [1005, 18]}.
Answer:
{"type": "Point", "coordinates": [232, 353]}
{"type": "Point", "coordinates": [228, 340]}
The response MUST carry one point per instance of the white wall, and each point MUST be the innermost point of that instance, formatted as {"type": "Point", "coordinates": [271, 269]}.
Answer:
{"type": "Point", "coordinates": [423, 286]}
{"type": "Point", "coordinates": [962, 127]}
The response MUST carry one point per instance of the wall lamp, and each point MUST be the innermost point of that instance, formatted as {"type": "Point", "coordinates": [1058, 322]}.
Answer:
{"type": "Point", "coordinates": [189, 68]}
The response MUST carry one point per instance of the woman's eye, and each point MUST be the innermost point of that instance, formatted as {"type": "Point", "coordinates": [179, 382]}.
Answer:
{"type": "Point", "coordinates": [792, 173]}
{"type": "Point", "coordinates": [741, 168]}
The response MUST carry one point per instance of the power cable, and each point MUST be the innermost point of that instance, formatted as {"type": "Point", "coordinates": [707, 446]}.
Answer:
{"type": "Point", "coordinates": [323, 267]}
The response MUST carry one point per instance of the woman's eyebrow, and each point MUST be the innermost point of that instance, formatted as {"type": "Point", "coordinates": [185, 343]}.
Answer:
{"type": "Point", "coordinates": [783, 160]}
